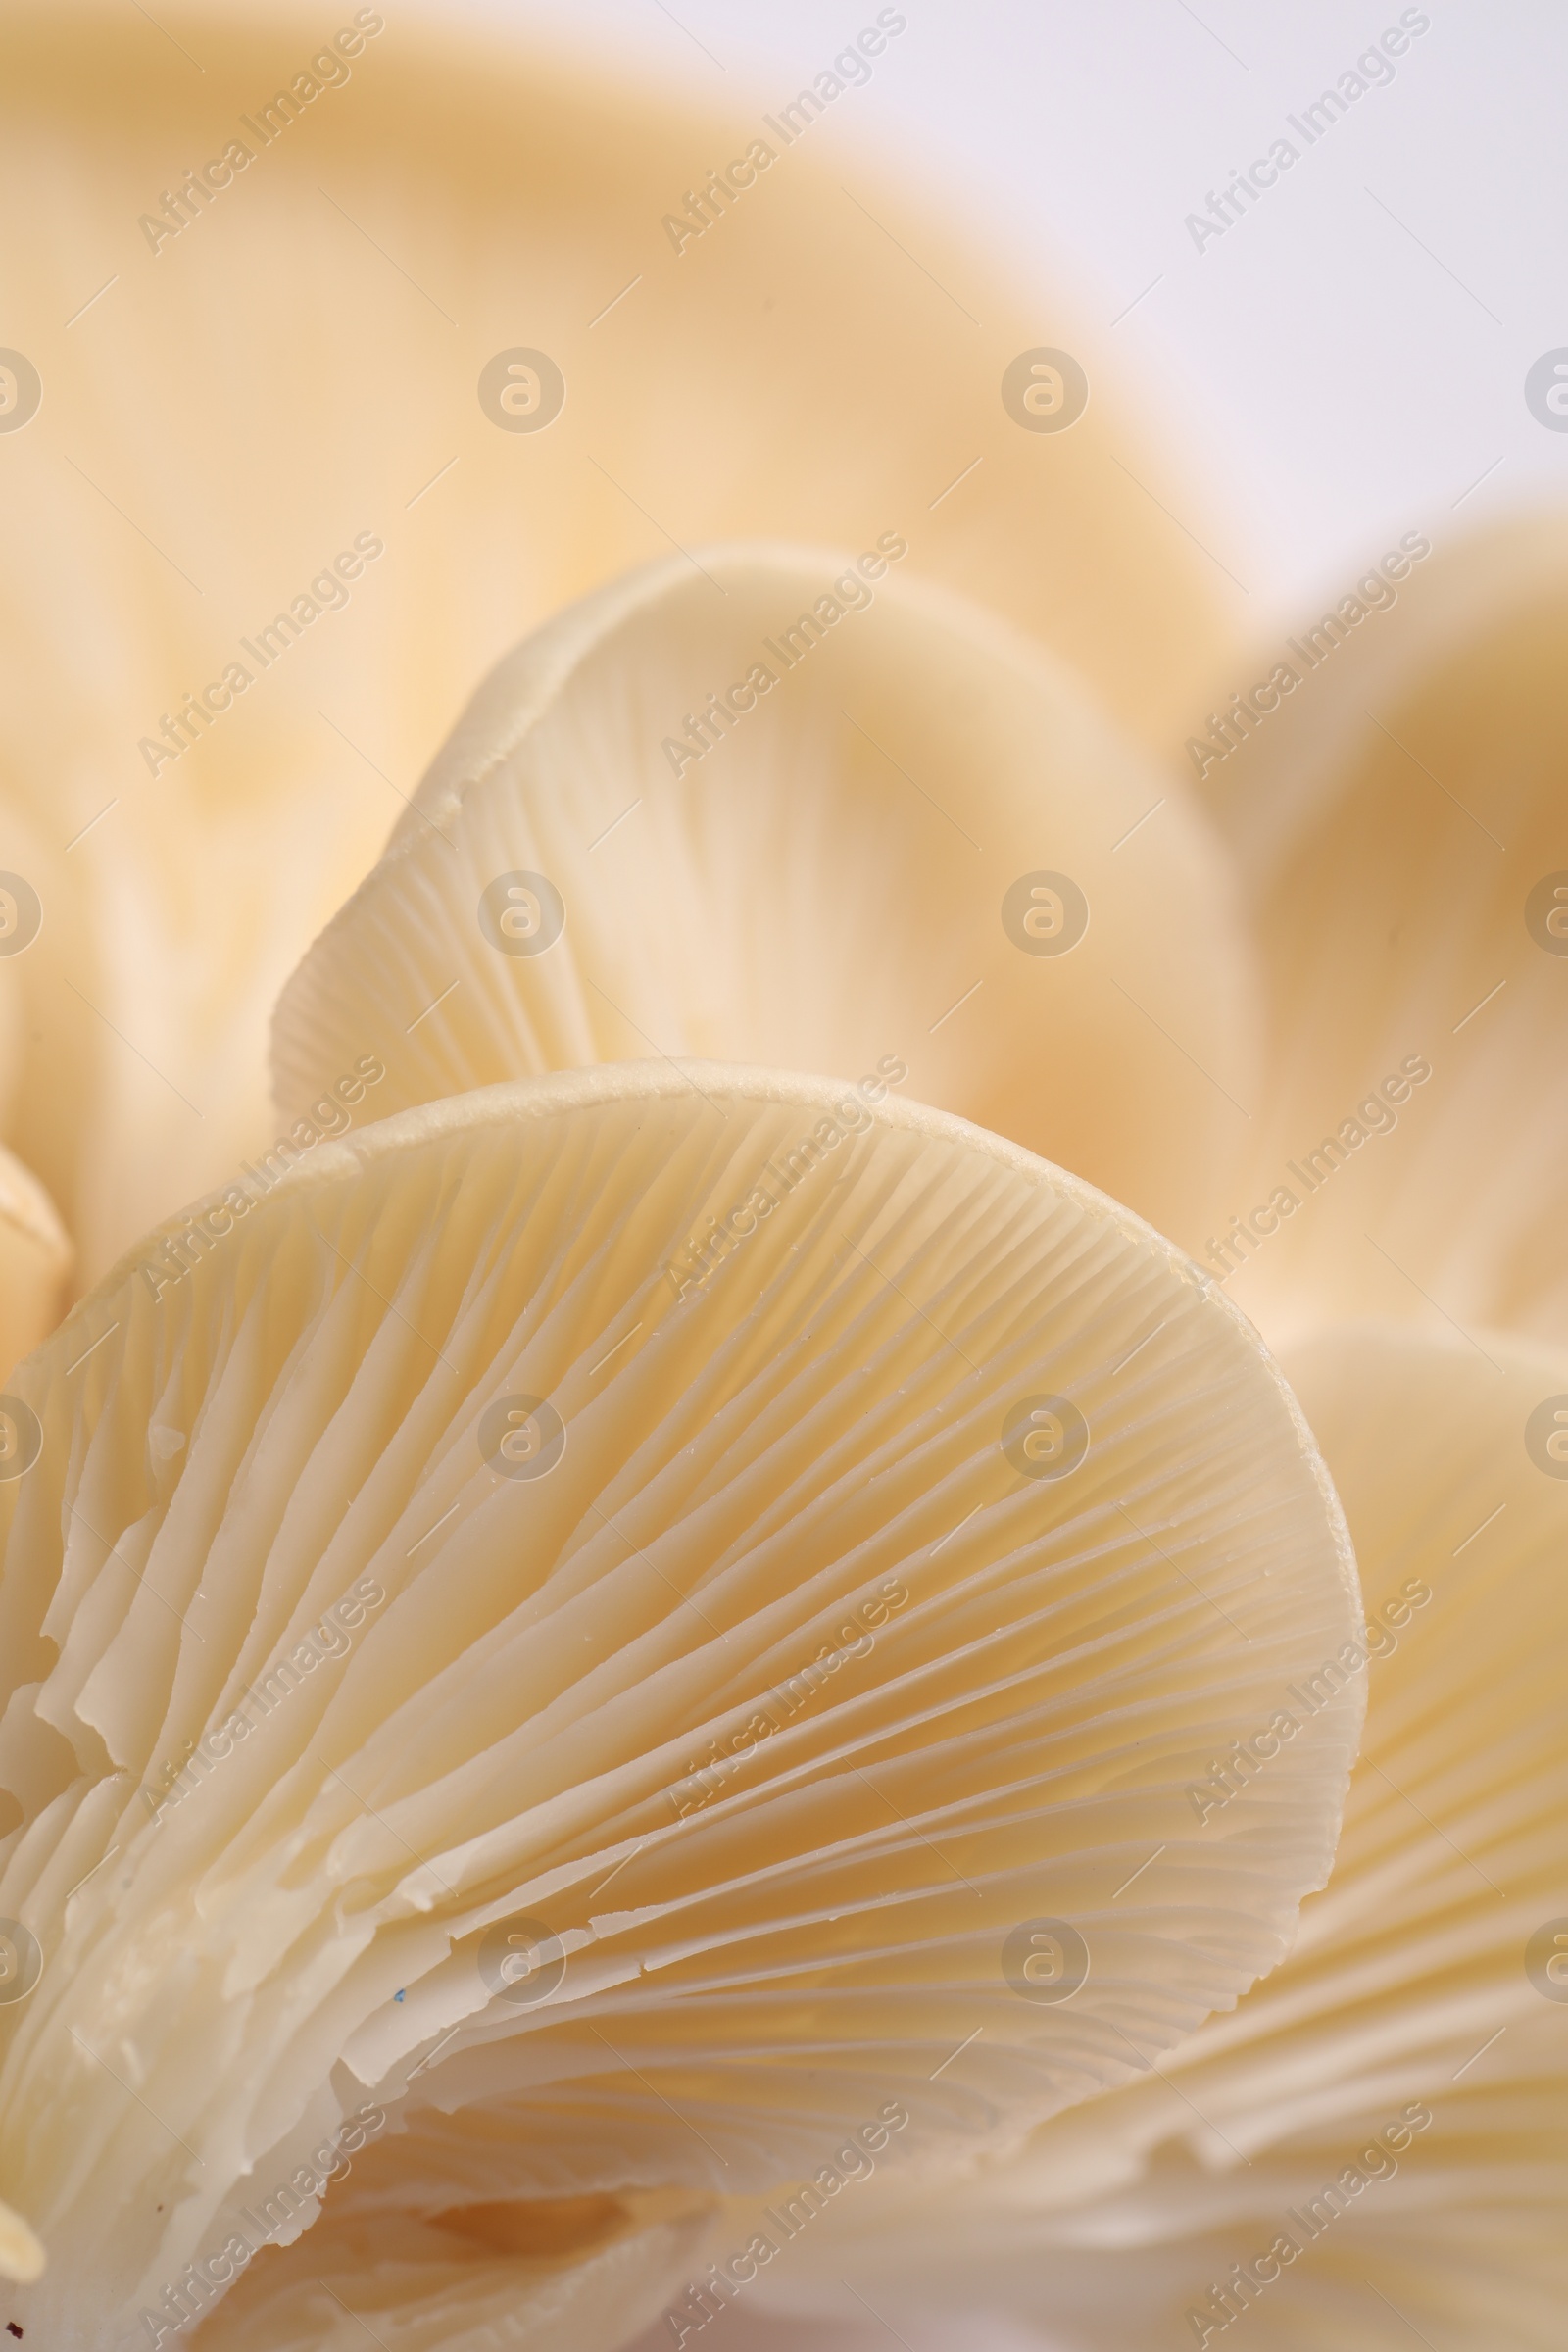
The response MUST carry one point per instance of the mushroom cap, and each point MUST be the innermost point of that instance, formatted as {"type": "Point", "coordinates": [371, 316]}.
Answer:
{"type": "Point", "coordinates": [395, 1586]}
{"type": "Point", "coordinates": [906, 838]}
{"type": "Point", "coordinates": [1402, 830]}
{"type": "Point", "coordinates": [1421, 1983]}
{"type": "Point", "coordinates": [306, 355]}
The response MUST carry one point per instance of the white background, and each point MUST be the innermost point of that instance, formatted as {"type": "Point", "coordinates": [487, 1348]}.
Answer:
{"type": "Point", "coordinates": [1344, 361]}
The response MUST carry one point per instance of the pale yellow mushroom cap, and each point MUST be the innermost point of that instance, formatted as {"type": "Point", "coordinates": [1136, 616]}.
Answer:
{"type": "Point", "coordinates": [900, 837]}
{"type": "Point", "coordinates": [284, 367]}
{"type": "Point", "coordinates": [1401, 823]}
{"type": "Point", "coordinates": [1393, 2100]}
{"type": "Point", "coordinates": [804, 1664]}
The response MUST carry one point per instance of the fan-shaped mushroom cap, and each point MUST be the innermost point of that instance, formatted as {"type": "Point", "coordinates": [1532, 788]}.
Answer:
{"type": "Point", "coordinates": [34, 1263]}
{"type": "Point", "coordinates": [1394, 2099]}
{"type": "Point", "coordinates": [283, 362]}
{"type": "Point", "coordinates": [1402, 827]}
{"type": "Point", "coordinates": [903, 844]}
{"type": "Point", "coordinates": [798, 1665]}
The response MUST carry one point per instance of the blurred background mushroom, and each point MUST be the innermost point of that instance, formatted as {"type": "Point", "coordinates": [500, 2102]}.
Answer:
{"type": "Point", "coordinates": [289, 374]}
{"type": "Point", "coordinates": [338, 360]}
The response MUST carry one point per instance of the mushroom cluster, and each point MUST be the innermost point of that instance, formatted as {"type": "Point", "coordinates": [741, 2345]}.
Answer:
{"type": "Point", "coordinates": [825, 1579]}
{"type": "Point", "coordinates": [621, 1648]}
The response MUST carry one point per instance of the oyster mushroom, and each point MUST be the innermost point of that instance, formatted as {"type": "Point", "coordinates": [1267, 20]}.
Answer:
{"type": "Point", "coordinates": [599, 1733]}
{"type": "Point", "coordinates": [899, 836]}
{"type": "Point", "coordinates": [284, 368]}
{"type": "Point", "coordinates": [1402, 830]}
{"type": "Point", "coordinates": [1392, 2102]}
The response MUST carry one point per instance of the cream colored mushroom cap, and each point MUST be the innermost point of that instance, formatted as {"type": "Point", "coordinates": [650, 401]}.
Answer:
{"type": "Point", "coordinates": [634, 1726]}
{"type": "Point", "coordinates": [1393, 2100]}
{"type": "Point", "coordinates": [1401, 828]}
{"type": "Point", "coordinates": [782, 806]}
